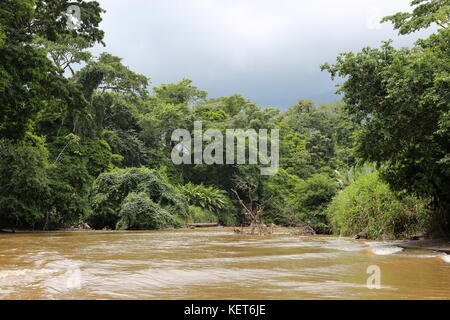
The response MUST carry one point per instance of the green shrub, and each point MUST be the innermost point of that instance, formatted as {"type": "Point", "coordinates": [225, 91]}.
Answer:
{"type": "Point", "coordinates": [289, 200]}
{"type": "Point", "coordinates": [228, 218]}
{"type": "Point", "coordinates": [347, 177]}
{"type": "Point", "coordinates": [200, 215]}
{"type": "Point", "coordinates": [368, 205]}
{"type": "Point", "coordinates": [210, 204]}
{"type": "Point", "coordinates": [313, 197]}
{"type": "Point", "coordinates": [111, 190]}
{"type": "Point", "coordinates": [139, 212]}
{"type": "Point", "coordinates": [211, 200]}
{"type": "Point", "coordinates": [208, 198]}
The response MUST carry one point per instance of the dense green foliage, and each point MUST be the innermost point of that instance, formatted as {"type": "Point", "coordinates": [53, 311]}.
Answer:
{"type": "Point", "coordinates": [207, 198]}
{"type": "Point", "coordinates": [29, 81]}
{"type": "Point", "coordinates": [84, 138]}
{"type": "Point", "coordinates": [368, 205]}
{"type": "Point", "coordinates": [25, 185]}
{"type": "Point", "coordinates": [197, 214]}
{"type": "Point", "coordinates": [117, 193]}
{"type": "Point", "coordinates": [289, 200]}
{"type": "Point", "coordinates": [139, 212]}
{"type": "Point", "coordinates": [400, 100]}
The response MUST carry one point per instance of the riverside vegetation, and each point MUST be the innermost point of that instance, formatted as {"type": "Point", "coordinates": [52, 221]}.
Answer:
{"type": "Point", "coordinates": [84, 139]}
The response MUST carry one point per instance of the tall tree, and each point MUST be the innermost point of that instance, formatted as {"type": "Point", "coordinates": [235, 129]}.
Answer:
{"type": "Point", "coordinates": [28, 78]}
{"type": "Point", "coordinates": [401, 100]}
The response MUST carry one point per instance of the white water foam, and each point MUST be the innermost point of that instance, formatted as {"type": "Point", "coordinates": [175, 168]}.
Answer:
{"type": "Point", "coordinates": [385, 250]}
{"type": "Point", "coordinates": [446, 258]}
{"type": "Point", "coordinates": [344, 245]}
{"type": "Point", "coordinates": [25, 272]}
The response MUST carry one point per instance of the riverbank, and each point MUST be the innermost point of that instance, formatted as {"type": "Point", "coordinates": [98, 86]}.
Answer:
{"type": "Point", "coordinates": [440, 245]}
{"type": "Point", "coordinates": [197, 226]}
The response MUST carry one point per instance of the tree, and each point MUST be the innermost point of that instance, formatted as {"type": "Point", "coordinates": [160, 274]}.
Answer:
{"type": "Point", "coordinates": [179, 93]}
{"type": "Point", "coordinates": [107, 73]}
{"type": "Point", "coordinates": [28, 78]}
{"type": "Point", "coordinates": [117, 193]}
{"type": "Point", "coordinates": [25, 185]}
{"type": "Point", "coordinates": [279, 194]}
{"type": "Point", "coordinates": [139, 212]}
{"type": "Point", "coordinates": [314, 138]}
{"type": "Point", "coordinates": [401, 101]}
{"type": "Point", "coordinates": [425, 14]}
{"type": "Point", "coordinates": [66, 51]}
{"type": "Point", "coordinates": [313, 197]}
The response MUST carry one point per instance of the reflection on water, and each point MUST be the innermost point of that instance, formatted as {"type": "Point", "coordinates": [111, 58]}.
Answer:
{"type": "Point", "coordinates": [212, 264]}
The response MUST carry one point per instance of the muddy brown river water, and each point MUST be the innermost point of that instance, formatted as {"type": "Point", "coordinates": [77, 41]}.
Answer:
{"type": "Point", "coordinates": [213, 264]}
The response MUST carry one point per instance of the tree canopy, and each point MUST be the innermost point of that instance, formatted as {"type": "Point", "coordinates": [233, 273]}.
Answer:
{"type": "Point", "coordinates": [85, 137]}
{"type": "Point", "coordinates": [400, 99]}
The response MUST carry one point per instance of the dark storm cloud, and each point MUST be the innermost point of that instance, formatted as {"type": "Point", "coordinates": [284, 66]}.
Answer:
{"type": "Point", "coordinates": [268, 51]}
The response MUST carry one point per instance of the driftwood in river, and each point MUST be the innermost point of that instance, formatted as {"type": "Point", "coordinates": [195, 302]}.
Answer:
{"type": "Point", "coordinates": [202, 225]}
{"type": "Point", "coordinates": [253, 212]}
{"type": "Point", "coordinates": [7, 231]}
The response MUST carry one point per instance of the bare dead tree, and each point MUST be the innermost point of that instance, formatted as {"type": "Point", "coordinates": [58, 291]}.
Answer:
{"type": "Point", "coordinates": [253, 213]}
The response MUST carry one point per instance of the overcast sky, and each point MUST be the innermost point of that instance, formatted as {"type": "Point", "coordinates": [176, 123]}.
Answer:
{"type": "Point", "coordinates": [268, 51]}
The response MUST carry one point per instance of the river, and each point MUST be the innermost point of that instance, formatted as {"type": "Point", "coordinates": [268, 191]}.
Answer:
{"type": "Point", "coordinates": [213, 264]}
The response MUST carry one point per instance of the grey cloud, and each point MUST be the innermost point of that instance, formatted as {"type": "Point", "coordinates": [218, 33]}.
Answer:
{"type": "Point", "coordinates": [268, 51]}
